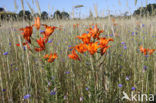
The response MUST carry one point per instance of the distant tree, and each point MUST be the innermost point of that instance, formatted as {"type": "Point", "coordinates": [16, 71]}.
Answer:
{"type": "Point", "coordinates": [65, 15]}
{"type": "Point", "coordinates": [8, 16]}
{"type": "Point", "coordinates": [2, 9]}
{"type": "Point", "coordinates": [150, 10]}
{"type": "Point", "coordinates": [44, 15]}
{"type": "Point", "coordinates": [25, 14]}
{"type": "Point", "coordinates": [57, 15]}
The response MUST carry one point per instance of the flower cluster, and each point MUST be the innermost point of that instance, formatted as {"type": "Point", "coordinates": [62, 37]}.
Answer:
{"type": "Point", "coordinates": [146, 50]}
{"type": "Point", "coordinates": [27, 33]}
{"type": "Point", "coordinates": [91, 42]}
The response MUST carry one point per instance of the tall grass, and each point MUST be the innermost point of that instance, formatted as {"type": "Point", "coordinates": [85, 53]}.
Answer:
{"type": "Point", "coordinates": [25, 78]}
{"type": "Point", "coordinates": [22, 74]}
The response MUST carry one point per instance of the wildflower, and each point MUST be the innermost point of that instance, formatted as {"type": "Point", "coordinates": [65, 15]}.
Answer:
{"type": "Point", "coordinates": [81, 48]}
{"type": "Point", "coordinates": [127, 78]}
{"type": "Point", "coordinates": [41, 43]}
{"type": "Point", "coordinates": [74, 56]}
{"type": "Point", "coordinates": [17, 44]}
{"type": "Point", "coordinates": [151, 51]}
{"type": "Point", "coordinates": [27, 96]}
{"type": "Point", "coordinates": [50, 57]}
{"type": "Point", "coordinates": [120, 85]}
{"type": "Point", "coordinates": [26, 43]}
{"type": "Point", "coordinates": [104, 49]}
{"type": "Point", "coordinates": [123, 43]}
{"type": "Point", "coordinates": [87, 88]}
{"type": "Point", "coordinates": [37, 23]}
{"type": "Point", "coordinates": [144, 68]}
{"type": "Point", "coordinates": [4, 90]}
{"type": "Point", "coordinates": [95, 33]}
{"type": "Point", "coordinates": [93, 47]}
{"type": "Point", "coordinates": [143, 50]}
{"type": "Point", "coordinates": [133, 88]}
{"type": "Point", "coordinates": [125, 47]}
{"type": "Point", "coordinates": [52, 93]}
{"type": "Point", "coordinates": [27, 32]}
{"type": "Point", "coordinates": [85, 38]}
{"type": "Point", "coordinates": [6, 53]}
{"type": "Point", "coordinates": [48, 30]}
{"type": "Point", "coordinates": [67, 72]}
{"type": "Point", "coordinates": [50, 41]}
{"type": "Point", "coordinates": [133, 33]}
{"type": "Point", "coordinates": [104, 41]}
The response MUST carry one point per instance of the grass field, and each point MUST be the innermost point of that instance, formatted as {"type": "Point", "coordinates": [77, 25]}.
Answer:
{"type": "Point", "coordinates": [25, 77]}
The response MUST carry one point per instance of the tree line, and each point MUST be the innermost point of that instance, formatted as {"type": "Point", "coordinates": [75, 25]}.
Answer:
{"type": "Point", "coordinates": [27, 15]}
{"type": "Point", "coordinates": [149, 10]}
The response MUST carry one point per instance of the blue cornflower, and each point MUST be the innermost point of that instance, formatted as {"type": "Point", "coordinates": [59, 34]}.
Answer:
{"type": "Point", "coordinates": [4, 90]}
{"type": "Point", "coordinates": [6, 53]}
{"type": "Point", "coordinates": [87, 88]}
{"type": "Point", "coordinates": [133, 33]}
{"type": "Point", "coordinates": [123, 43]}
{"type": "Point", "coordinates": [69, 46]}
{"type": "Point", "coordinates": [27, 96]}
{"type": "Point", "coordinates": [41, 31]}
{"type": "Point", "coordinates": [111, 35]}
{"type": "Point", "coordinates": [24, 48]}
{"type": "Point", "coordinates": [133, 88]}
{"type": "Point", "coordinates": [50, 41]}
{"type": "Point", "coordinates": [52, 92]}
{"type": "Point", "coordinates": [125, 47]}
{"type": "Point", "coordinates": [67, 72]}
{"type": "Point", "coordinates": [120, 85]}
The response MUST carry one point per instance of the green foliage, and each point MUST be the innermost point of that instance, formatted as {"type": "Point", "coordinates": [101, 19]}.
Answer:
{"type": "Point", "coordinates": [44, 15]}
{"type": "Point", "coordinates": [57, 15]}
{"type": "Point", "coordinates": [65, 15]}
{"type": "Point", "coordinates": [25, 15]}
{"type": "Point", "coordinates": [149, 10]}
{"type": "Point", "coordinates": [8, 16]}
{"type": "Point", "coordinates": [61, 15]}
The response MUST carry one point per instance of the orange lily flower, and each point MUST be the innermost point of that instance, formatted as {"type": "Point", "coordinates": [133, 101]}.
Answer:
{"type": "Point", "coordinates": [95, 33]}
{"type": "Point", "coordinates": [151, 51]}
{"type": "Point", "coordinates": [27, 32]}
{"type": "Point", "coordinates": [37, 23]}
{"type": "Point", "coordinates": [85, 38]}
{"type": "Point", "coordinates": [93, 47]}
{"type": "Point", "coordinates": [50, 57]}
{"type": "Point", "coordinates": [41, 43]}
{"type": "Point", "coordinates": [81, 48]}
{"type": "Point", "coordinates": [26, 43]}
{"type": "Point", "coordinates": [74, 56]}
{"type": "Point", "coordinates": [49, 30]}
{"type": "Point", "coordinates": [103, 50]}
{"type": "Point", "coordinates": [143, 50]}
{"type": "Point", "coordinates": [104, 41]}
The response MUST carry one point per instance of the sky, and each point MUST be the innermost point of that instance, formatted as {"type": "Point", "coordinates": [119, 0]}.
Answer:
{"type": "Point", "coordinates": [104, 7]}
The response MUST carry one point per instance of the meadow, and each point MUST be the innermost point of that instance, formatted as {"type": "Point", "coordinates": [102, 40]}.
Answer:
{"type": "Point", "coordinates": [26, 77]}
